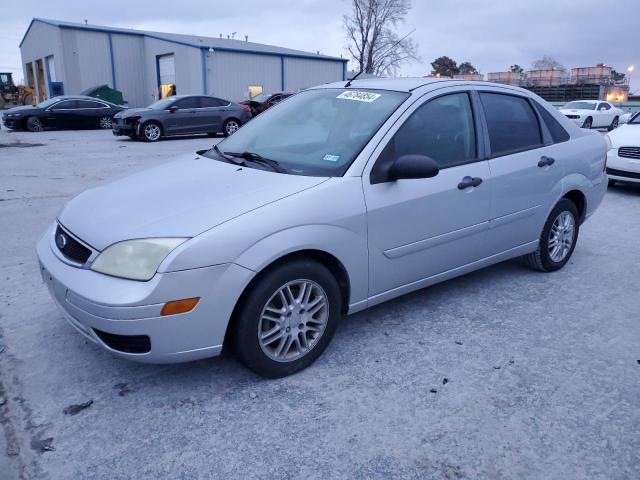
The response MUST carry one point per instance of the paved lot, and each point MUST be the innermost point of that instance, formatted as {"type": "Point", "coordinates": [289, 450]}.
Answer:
{"type": "Point", "coordinates": [542, 369]}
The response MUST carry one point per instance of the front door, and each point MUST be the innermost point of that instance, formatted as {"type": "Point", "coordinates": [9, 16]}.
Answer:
{"type": "Point", "coordinates": [62, 115]}
{"type": "Point", "coordinates": [419, 228]}
{"type": "Point", "coordinates": [184, 120]}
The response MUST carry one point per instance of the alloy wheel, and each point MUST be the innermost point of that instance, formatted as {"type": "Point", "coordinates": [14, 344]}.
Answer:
{"type": "Point", "coordinates": [231, 127]}
{"type": "Point", "coordinates": [36, 125]}
{"type": "Point", "coordinates": [152, 132]}
{"type": "Point", "coordinates": [561, 236]}
{"type": "Point", "coordinates": [293, 320]}
{"type": "Point", "coordinates": [106, 123]}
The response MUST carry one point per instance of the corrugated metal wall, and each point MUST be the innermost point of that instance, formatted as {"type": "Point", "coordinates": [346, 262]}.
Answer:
{"type": "Point", "coordinates": [128, 59]}
{"type": "Point", "coordinates": [42, 41]}
{"type": "Point", "coordinates": [87, 59]}
{"type": "Point", "coordinates": [302, 73]}
{"type": "Point", "coordinates": [230, 74]}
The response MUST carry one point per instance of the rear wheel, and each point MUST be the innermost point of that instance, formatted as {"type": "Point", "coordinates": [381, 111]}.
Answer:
{"type": "Point", "coordinates": [231, 126]}
{"type": "Point", "coordinates": [587, 123]}
{"type": "Point", "coordinates": [105, 122]}
{"type": "Point", "coordinates": [34, 124]}
{"type": "Point", "coordinates": [558, 238]}
{"type": "Point", "coordinates": [288, 318]}
{"type": "Point", "coordinates": [614, 124]}
{"type": "Point", "coordinates": [151, 131]}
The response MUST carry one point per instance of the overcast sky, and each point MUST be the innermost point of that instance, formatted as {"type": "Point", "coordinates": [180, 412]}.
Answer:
{"type": "Point", "coordinates": [491, 34]}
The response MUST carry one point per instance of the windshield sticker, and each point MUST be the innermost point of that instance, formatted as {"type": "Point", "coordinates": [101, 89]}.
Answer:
{"type": "Point", "coordinates": [359, 96]}
{"type": "Point", "coordinates": [331, 158]}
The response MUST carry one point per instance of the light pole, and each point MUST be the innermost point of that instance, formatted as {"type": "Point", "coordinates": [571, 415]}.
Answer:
{"type": "Point", "coordinates": [630, 69]}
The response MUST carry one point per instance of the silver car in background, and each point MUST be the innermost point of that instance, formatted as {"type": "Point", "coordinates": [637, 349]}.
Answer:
{"type": "Point", "coordinates": [340, 198]}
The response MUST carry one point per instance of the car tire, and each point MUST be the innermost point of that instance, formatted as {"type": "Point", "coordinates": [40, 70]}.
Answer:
{"type": "Point", "coordinates": [612, 183]}
{"type": "Point", "coordinates": [558, 239]}
{"type": "Point", "coordinates": [105, 123]}
{"type": "Point", "coordinates": [34, 124]}
{"type": "Point", "coordinates": [614, 124]}
{"type": "Point", "coordinates": [151, 132]}
{"type": "Point", "coordinates": [231, 126]}
{"type": "Point", "coordinates": [587, 123]}
{"type": "Point", "coordinates": [280, 289]}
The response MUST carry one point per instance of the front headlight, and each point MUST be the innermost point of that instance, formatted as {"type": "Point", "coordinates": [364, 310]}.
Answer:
{"type": "Point", "coordinates": [135, 259]}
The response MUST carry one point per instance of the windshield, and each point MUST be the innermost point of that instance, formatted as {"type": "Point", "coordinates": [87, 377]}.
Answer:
{"type": "Point", "coordinates": [49, 102]}
{"type": "Point", "coordinates": [581, 105]}
{"type": "Point", "coordinates": [162, 104]}
{"type": "Point", "coordinates": [317, 132]}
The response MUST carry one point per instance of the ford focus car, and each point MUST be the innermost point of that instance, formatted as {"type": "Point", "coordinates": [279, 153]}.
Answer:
{"type": "Point", "coordinates": [342, 197]}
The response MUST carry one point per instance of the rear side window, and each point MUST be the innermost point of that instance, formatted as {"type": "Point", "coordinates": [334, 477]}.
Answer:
{"type": "Point", "coordinates": [89, 104]}
{"type": "Point", "coordinates": [512, 123]}
{"type": "Point", "coordinates": [206, 102]}
{"type": "Point", "coordinates": [558, 133]}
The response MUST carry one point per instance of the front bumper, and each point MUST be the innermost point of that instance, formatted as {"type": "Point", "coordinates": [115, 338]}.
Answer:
{"type": "Point", "coordinates": [621, 168]}
{"type": "Point", "coordinates": [11, 122]}
{"type": "Point", "coordinates": [578, 121]}
{"type": "Point", "coordinates": [123, 129]}
{"type": "Point", "coordinates": [95, 304]}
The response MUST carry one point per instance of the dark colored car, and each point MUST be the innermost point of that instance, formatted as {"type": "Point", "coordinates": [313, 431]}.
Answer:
{"type": "Point", "coordinates": [181, 115]}
{"type": "Point", "coordinates": [64, 112]}
{"type": "Point", "coordinates": [263, 101]}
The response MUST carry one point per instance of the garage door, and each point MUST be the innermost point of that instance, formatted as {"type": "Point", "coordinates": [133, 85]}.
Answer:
{"type": "Point", "coordinates": [167, 69]}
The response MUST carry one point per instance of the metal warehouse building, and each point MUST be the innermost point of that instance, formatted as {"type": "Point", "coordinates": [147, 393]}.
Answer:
{"type": "Point", "coordinates": [62, 57]}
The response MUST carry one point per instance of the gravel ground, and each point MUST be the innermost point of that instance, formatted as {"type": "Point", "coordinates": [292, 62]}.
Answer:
{"type": "Point", "coordinates": [503, 373]}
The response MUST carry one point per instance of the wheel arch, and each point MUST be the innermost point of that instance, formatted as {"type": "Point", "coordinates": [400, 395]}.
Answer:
{"type": "Point", "coordinates": [579, 199]}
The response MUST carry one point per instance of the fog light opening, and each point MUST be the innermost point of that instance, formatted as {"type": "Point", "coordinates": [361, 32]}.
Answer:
{"type": "Point", "coordinates": [179, 306]}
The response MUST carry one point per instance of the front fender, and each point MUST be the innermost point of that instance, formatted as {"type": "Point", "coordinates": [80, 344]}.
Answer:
{"type": "Point", "coordinates": [348, 247]}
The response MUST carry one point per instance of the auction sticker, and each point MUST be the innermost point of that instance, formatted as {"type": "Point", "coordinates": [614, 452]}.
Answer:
{"type": "Point", "coordinates": [331, 158]}
{"type": "Point", "coordinates": [359, 96]}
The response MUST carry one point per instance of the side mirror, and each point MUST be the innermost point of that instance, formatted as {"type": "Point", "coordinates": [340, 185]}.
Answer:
{"type": "Point", "coordinates": [173, 109]}
{"type": "Point", "coordinates": [413, 166]}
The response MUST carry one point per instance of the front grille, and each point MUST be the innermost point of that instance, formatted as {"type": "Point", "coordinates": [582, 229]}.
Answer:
{"type": "Point", "coordinates": [71, 248]}
{"type": "Point", "coordinates": [620, 173]}
{"type": "Point", "coordinates": [573, 117]}
{"type": "Point", "coordinates": [125, 343]}
{"type": "Point", "coordinates": [629, 152]}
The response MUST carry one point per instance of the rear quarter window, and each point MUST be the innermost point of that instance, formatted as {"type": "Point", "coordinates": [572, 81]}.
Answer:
{"type": "Point", "coordinates": [558, 133]}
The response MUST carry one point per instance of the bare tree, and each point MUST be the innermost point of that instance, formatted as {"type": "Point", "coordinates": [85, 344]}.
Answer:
{"type": "Point", "coordinates": [374, 44]}
{"type": "Point", "coordinates": [548, 63]}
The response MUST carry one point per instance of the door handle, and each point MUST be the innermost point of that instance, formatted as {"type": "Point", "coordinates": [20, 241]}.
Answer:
{"type": "Point", "coordinates": [469, 182]}
{"type": "Point", "coordinates": [546, 161]}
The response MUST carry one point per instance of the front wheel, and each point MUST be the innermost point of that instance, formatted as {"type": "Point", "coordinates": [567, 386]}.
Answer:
{"type": "Point", "coordinates": [151, 132]}
{"type": "Point", "coordinates": [587, 123]}
{"type": "Point", "coordinates": [105, 122]}
{"type": "Point", "coordinates": [558, 238]}
{"type": "Point", "coordinates": [287, 318]}
{"type": "Point", "coordinates": [614, 124]}
{"type": "Point", "coordinates": [230, 127]}
{"type": "Point", "coordinates": [34, 124]}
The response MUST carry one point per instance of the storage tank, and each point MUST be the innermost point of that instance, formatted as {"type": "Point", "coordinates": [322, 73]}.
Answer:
{"type": "Point", "coordinates": [545, 78]}
{"type": "Point", "coordinates": [508, 78]}
{"type": "Point", "coordinates": [599, 75]}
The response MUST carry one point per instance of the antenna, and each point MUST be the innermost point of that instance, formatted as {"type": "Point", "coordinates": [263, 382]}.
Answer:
{"type": "Point", "coordinates": [348, 84]}
{"type": "Point", "coordinates": [246, 38]}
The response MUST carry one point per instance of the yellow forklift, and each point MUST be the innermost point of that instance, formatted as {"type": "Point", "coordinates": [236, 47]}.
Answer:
{"type": "Point", "coordinates": [12, 94]}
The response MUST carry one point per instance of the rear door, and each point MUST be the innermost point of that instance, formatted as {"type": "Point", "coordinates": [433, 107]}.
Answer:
{"type": "Point", "coordinates": [89, 113]}
{"type": "Point", "coordinates": [526, 169]}
{"type": "Point", "coordinates": [419, 228]}
{"type": "Point", "coordinates": [212, 112]}
{"type": "Point", "coordinates": [605, 115]}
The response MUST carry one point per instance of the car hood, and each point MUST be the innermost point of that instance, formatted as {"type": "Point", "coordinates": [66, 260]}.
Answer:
{"type": "Point", "coordinates": [180, 199]}
{"type": "Point", "coordinates": [625, 136]}
{"type": "Point", "coordinates": [22, 109]}
{"type": "Point", "coordinates": [132, 112]}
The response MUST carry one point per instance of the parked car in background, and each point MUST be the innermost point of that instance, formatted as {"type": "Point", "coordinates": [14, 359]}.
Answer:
{"type": "Point", "coordinates": [181, 115]}
{"type": "Point", "coordinates": [343, 197]}
{"type": "Point", "coordinates": [593, 114]}
{"type": "Point", "coordinates": [64, 112]}
{"type": "Point", "coordinates": [264, 101]}
{"type": "Point", "coordinates": [623, 159]}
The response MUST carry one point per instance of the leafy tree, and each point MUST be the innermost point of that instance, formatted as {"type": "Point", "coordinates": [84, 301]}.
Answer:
{"type": "Point", "coordinates": [467, 68]}
{"type": "Point", "coordinates": [445, 66]}
{"type": "Point", "coordinates": [548, 63]}
{"type": "Point", "coordinates": [374, 44]}
{"type": "Point", "coordinates": [516, 69]}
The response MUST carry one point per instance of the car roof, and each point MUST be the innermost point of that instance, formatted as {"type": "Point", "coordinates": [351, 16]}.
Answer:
{"type": "Point", "coordinates": [409, 84]}
{"type": "Point", "coordinates": [80, 97]}
{"type": "Point", "coordinates": [586, 101]}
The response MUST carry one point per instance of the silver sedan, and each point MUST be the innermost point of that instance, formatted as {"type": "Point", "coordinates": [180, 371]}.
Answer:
{"type": "Point", "coordinates": [335, 200]}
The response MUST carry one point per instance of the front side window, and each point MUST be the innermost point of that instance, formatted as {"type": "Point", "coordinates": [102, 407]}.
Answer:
{"type": "Point", "coordinates": [442, 129]}
{"type": "Point", "coordinates": [66, 105]}
{"type": "Point", "coordinates": [317, 132]}
{"type": "Point", "coordinates": [511, 122]}
{"type": "Point", "coordinates": [189, 102]}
